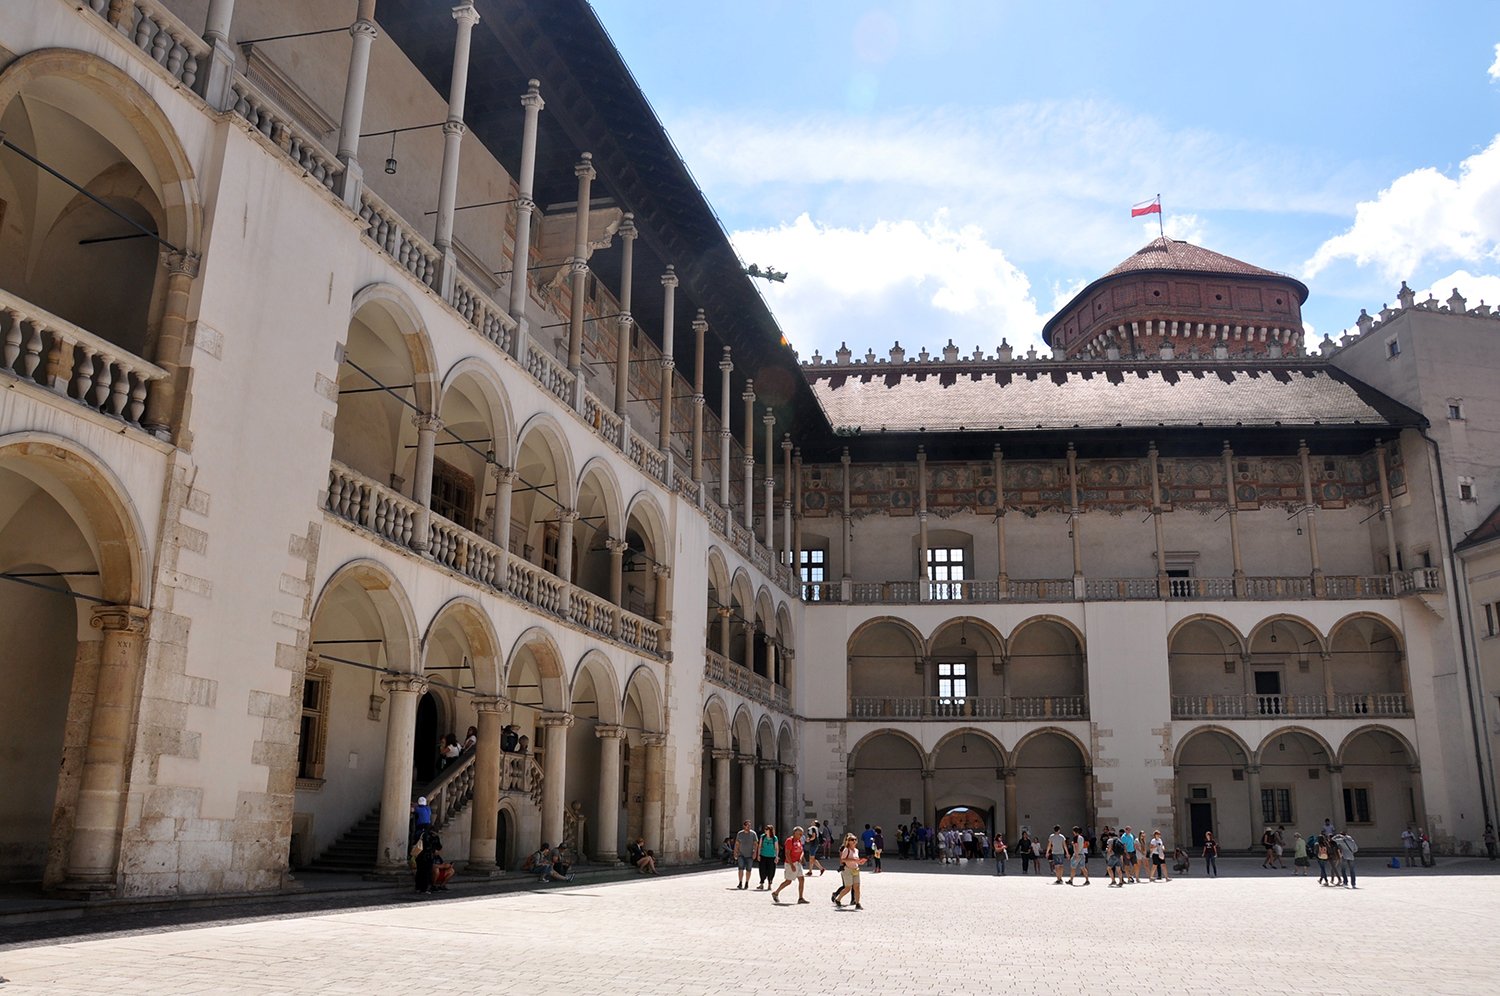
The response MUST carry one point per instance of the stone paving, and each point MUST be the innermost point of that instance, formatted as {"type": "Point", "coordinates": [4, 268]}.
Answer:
{"type": "Point", "coordinates": [926, 931]}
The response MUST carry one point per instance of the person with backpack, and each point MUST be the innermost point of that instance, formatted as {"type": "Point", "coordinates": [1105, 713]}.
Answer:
{"type": "Point", "coordinates": [1027, 850]}
{"type": "Point", "coordinates": [1347, 848]}
{"type": "Point", "coordinates": [1114, 855]}
{"type": "Point", "coordinates": [770, 848]}
{"type": "Point", "coordinates": [1057, 853]}
{"type": "Point", "coordinates": [1210, 855]}
{"type": "Point", "coordinates": [1001, 854]}
{"type": "Point", "coordinates": [1319, 847]}
{"type": "Point", "coordinates": [810, 842]}
{"type": "Point", "coordinates": [1078, 857]}
{"type": "Point", "coordinates": [1129, 867]}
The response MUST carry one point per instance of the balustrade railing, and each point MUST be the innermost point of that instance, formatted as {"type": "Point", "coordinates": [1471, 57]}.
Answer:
{"type": "Point", "coordinates": [457, 548]}
{"type": "Point", "coordinates": [1370, 704]}
{"type": "Point", "coordinates": [604, 420]}
{"type": "Point", "coordinates": [1287, 705]}
{"type": "Point", "coordinates": [1123, 589]}
{"type": "Point", "coordinates": [1220, 588]}
{"type": "Point", "coordinates": [452, 790]}
{"type": "Point", "coordinates": [1041, 590]}
{"type": "Point", "coordinates": [156, 31]}
{"type": "Point", "coordinates": [938, 707]}
{"type": "Point", "coordinates": [522, 773]}
{"type": "Point", "coordinates": [534, 586]}
{"type": "Point", "coordinates": [646, 456]}
{"type": "Point", "coordinates": [1422, 579]}
{"type": "Point", "coordinates": [357, 499]}
{"type": "Point", "coordinates": [482, 313]}
{"type": "Point", "coordinates": [284, 133]}
{"type": "Point", "coordinates": [683, 484]}
{"type": "Point", "coordinates": [1230, 706]}
{"type": "Point", "coordinates": [42, 348]}
{"type": "Point", "coordinates": [720, 670]}
{"type": "Point", "coordinates": [551, 374]}
{"type": "Point", "coordinates": [390, 232]}
{"type": "Point", "coordinates": [1240, 705]}
{"type": "Point", "coordinates": [593, 613]}
{"type": "Point", "coordinates": [1278, 588]}
{"type": "Point", "coordinates": [1357, 586]}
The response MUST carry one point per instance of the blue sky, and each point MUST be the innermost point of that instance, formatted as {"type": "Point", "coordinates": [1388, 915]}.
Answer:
{"type": "Point", "coordinates": [935, 169]}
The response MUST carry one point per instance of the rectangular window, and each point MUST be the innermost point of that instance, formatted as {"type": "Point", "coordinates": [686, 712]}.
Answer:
{"type": "Point", "coordinates": [1491, 611]}
{"type": "Point", "coordinates": [953, 681]}
{"type": "Point", "coordinates": [814, 573]}
{"type": "Point", "coordinates": [453, 494]}
{"type": "Point", "coordinates": [1357, 804]}
{"type": "Point", "coordinates": [1276, 805]}
{"type": "Point", "coordinates": [945, 568]}
{"type": "Point", "coordinates": [1393, 347]}
{"type": "Point", "coordinates": [1466, 489]}
{"type": "Point", "coordinates": [314, 726]}
{"type": "Point", "coordinates": [1455, 410]}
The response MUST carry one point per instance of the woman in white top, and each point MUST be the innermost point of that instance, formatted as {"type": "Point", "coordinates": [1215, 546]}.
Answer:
{"type": "Point", "coordinates": [1158, 851]}
{"type": "Point", "coordinates": [849, 862]}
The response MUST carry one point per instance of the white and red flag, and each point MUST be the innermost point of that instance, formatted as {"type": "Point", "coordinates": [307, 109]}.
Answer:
{"type": "Point", "coordinates": [1153, 206]}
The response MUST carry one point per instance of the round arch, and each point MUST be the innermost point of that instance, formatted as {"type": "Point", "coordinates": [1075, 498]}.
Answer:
{"type": "Point", "coordinates": [743, 730]}
{"type": "Point", "coordinates": [1003, 756]}
{"type": "Point", "coordinates": [887, 732]}
{"type": "Point", "coordinates": [765, 738]}
{"type": "Point", "coordinates": [918, 644]}
{"type": "Point", "coordinates": [1280, 733]}
{"type": "Point", "coordinates": [1044, 731]}
{"type": "Point", "coordinates": [392, 607]}
{"type": "Point", "coordinates": [401, 312]}
{"type": "Point", "coordinates": [535, 655]}
{"type": "Point", "coordinates": [546, 431]}
{"type": "Point", "coordinates": [1380, 729]}
{"type": "Point", "coordinates": [476, 634]}
{"type": "Point", "coordinates": [1209, 619]}
{"type": "Point", "coordinates": [1056, 620]}
{"type": "Point", "coordinates": [716, 718]}
{"type": "Point", "coordinates": [607, 493]}
{"type": "Point", "coordinates": [595, 675]}
{"type": "Point", "coordinates": [966, 628]}
{"type": "Point", "coordinates": [496, 399]}
{"type": "Point", "coordinates": [643, 700]}
{"type": "Point", "coordinates": [1268, 625]}
{"type": "Point", "coordinates": [786, 745]}
{"type": "Point", "coordinates": [1222, 731]}
{"type": "Point", "coordinates": [644, 510]}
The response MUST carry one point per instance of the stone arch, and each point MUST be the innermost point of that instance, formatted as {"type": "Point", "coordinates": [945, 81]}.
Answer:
{"type": "Point", "coordinates": [391, 609]}
{"type": "Point", "coordinates": [1263, 752]}
{"type": "Point", "coordinates": [1223, 731]}
{"type": "Point", "coordinates": [1052, 777]}
{"type": "Point", "coordinates": [967, 655]}
{"type": "Point", "coordinates": [471, 630]}
{"type": "Point", "coordinates": [643, 513]}
{"type": "Point", "coordinates": [1268, 627]}
{"type": "Point", "coordinates": [743, 731]}
{"type": "Point", "coordinates": [1056, 620]}
{"type": "Point", "coordinates": [716, 718]}
{"type": "Point", "coordinates": [648, 548]}
{"type": "Point", "coordinates": [1204, 667]}
{"type": "Point", "coordinates": [1210, 791]}
{"type": "Point", "coordinates": [643, 700]}
{"type": "Point", "coordinates": [1068, 735]}
{"type": "Point", "coordinates": [1046, 670]}
{"type": "Point", "coordinates": [1003, 757]}
{"type": "Point", "coordinates": [786, 745]}
{"type": "Point", "coordinates": [1377, 728]}
{"type": "Point", "coordinates": [741, 618]}
{"type": "Point", "coordinates": [765, 738]}
{"type": "Point", "coordinates": [1381, 781]}
{"type": "Point", "coordinates": [495, 398]}
{"type": "Point", "coordinates": [600, 520]}
{"type": "Point", "coordinates": [534, 657]}
{"type": "Point", "coordinates": [886, 660]}
{"type": "Point", "coordinates": [786, 643]}
{"type": "Point", "coordinates": [542, 491]}
{"type": "Point", "coordinates": [918, 643]}
{"type": "Point", "coordinates": [716, 634]}
{"type": "Point", "coordinates": [892, 732]}
{"type": "Point", "coordinates": [595, 676]}
{"type": "Point", "coordinates": [1209, 618]}
{"type": "Point", "coordinates": [477, 438]}
{"type": "Point", "coordinates": [1375, 619]}
{"type": "Point", "coordinates": [1367, 665]}
{"type": "Point", "coordinates": [885, 767]}
{"type": "Point", "coordinates": [401, 311]}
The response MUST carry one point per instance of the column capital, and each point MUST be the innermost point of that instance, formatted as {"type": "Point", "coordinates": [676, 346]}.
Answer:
{"type": "Point", "coordinates": [466, 14]}
{"type": "Point", "coordinates": [498, 704]}
{"type": "Point", "coordinates": [700, 323]}
{"type": "Point", "coordinates": [786, 769]}
{"type": "Point", "coordinates": [661, 570]}
{"type": "Point", "coordinates": [119, 618]}
{"type": "Point", "coordinates": [616, 547]}
{"type": "Point", "coordinates": [504, 474]}
{"type": "Point", "coordinates": [181, 261]}
{"type": "Point", "coordinates": [786, 443]}
{"type": "Point", "coordinates": [749, 393]}
{"type": "Point", "coordinates": [556, 719]}
{"type": "Point", "coordinates": [699, 400]}
{"type": "Point", "coordinates": [453, 126]}
{"type": "Point", "coordinates": [669, 278]}
{"type": "Point", "coordinates": [426, 422]}
{"type": "Point", "coordinates": [1008, 773]}
{"type": "Point", "coordinates": [1252, 769]}
{"type": "Point", "coordinates": [927, 773]}
{"type": "Point", "coordinates": [625, 319]}
{"type": "Point", "coordinates": [567, 515]}
{"type": "Point", "coordinates": [1335, 769]}
{"type": "Point", "coordinates": [608, 732]}
{"type": "Point", "coordinates": [667, 362]}
{"type": "Point", "coordinates": [725, 363]}
{"type": "Point", "coordinates": [533, 95]}
{"type": "Point", "coordinates": [414, 683]}
{"type": "Point", "coordinates": [766, 765]}
{"type": "Point", "coordinates": [627, 229]}
{"type": "Point", "coordinates": [584, 169]}
{"type": "Point", "coordinates": [366, 28]}
{"type": "Point", "coordinates": [769, 418]}
{"type": "Point", "coordinates": [747, 760]}
{"type": "Point", "coordinates": [654, 739]}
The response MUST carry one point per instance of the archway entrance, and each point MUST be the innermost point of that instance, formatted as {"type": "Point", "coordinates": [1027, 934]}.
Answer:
{"type": "Point", "coordinates": [425, 744]}
{"type": "Point", "coordinates": [1212, 791]}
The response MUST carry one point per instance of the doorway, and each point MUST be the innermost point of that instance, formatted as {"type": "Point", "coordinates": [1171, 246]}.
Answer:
{"type": "Point", "coordinates": [1268, 692]}
{"type": "Point", "coordinates": [1200, 821]}
{"type": "Point", "coordinates": [425, 742]}
{"type": "Point", "coordinates": [505, 840]}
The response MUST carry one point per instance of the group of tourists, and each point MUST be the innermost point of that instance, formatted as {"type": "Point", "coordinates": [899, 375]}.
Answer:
{"type": "Point", "coordinates": [798, 856]}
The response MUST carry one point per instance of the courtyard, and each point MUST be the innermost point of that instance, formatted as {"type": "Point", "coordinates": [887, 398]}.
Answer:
{"type": "Point", "coordinates": [927, 930]}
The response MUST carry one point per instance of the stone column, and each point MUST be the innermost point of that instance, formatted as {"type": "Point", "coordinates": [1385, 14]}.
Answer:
{"type": "Point", "coordinates": [607, 840]}
{"type": "Point", "coordinates": [1004, 573]}
{"type": "Point", "coordinates": [769, 419]}
{"type": "Point", "coordinates": [616, 548]}
{"type": "Point", "coordinates": [578, 268]}
{"type": "Point", "coordinates": [924, 547]}
{"type": "Point", "coordinates": [165, 402]}
{"type": "Point", "coordinates": [624, 324]}
{"type": "Point", "coordinates": [364, 33]}
{"type": "Point", "coordinates": [700, 336]}
{"type": "Point", "coordinates": [725, 368]}
{"type": "Point", "coordinates": [484, 828]}
{"type": "Point", "coordinates": [656, 789]}
{"type": "Point", "coordinates": [1385, 506]}
{"type": "Point", "coordinates": [1336, 794]}
{"type": "Point", "coordinates": [747, 789]}
{"type": "Point", "coordinates": [664, 605]}
{"type": "Point", "coordinates": [453, 134]}
{"type": "Point", "coordinates": [1257, 815]}
{"type": "Point", "coordinates": [846, 584]}
{"type": "Point", "coordinates": [788, 803]}
{"type": "Point", "coordinates": [771, 660]}
{"type": "Point", "coordinates": [520, 279]}
{"type": "Point", "coordinates": [1162, 582]}
{"type": "Point", "coordinates": [1418, 802]}
{"type": "Point", "coordinates": [668, 363]}
{"type": "Point", "coordinates": [1231, 499]}
{"type": "Point", "coordinates": [221, 64]}
{"type": "Point", "coordinates": [750, 639]}
{"type": "Point", "coordinates": [505, 481]}
{"type": "Point", "coordinates": [722, 827]}
{"type": "Point", "coordinates": [421, 485]}
{"type": "Point", "coordinates": [1074, 532]}
{"type": "Point", "coordinates": [786, 500]}
{"type": "Point", "coordinates": [749, 399]}
{"type": "Point", "coordinates": [1090, 799]}
{"type": "Point", "coordinates": [768, 795]}
{"type": "Point", "coordinates": [402, 692]}
{"type": "Point", "coordinates": [554, 773]}
{"type": "Point", "coordinates": [927, 807]}
{"type": "Point", "coordinates": [724, 614]}
{"type": "Point", "coordinates": [94, 852]}
{"type": "Point", "coordinates": [565, 519]}
{"type": "Point", "coordinates": [1012, 818]}
{"type": "Point", "coordinates": [1310, 507]}
{"type": "Point", "coordinates": [797, 521]}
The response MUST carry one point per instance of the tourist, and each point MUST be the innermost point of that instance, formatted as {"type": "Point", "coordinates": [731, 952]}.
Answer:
{"type": "Point", "coordinates": [426, 853]}
{"type": "Point", "coordinates": [1426, 843]}
{"type": "Point", "coordinates": [1130, 866]}
{"type": "Point", "coordinates": [1489, 840]}
{"type": "Point", "coordinates": [1057, 853]}
{"type": "Point", "coordinates": [1347, 848]}
{"type": "Point", "coordinates": [726, 852]}
{"type": "Point", "coordinates": [745, 845]}
{"type": "Point", "coordinates": [1080, 857]}
{"type": "Point", "coordinates": [1409, 843]}
{"type": "Point", "coordinates": [450, 750]}
{"type": "Point", "coordinates": [770, 848]}
{"type": "Point", "coordinates": [1268, 844]}
{"type": "Point", "coordinates": [1181, 861]}
{"type": "Point", "coordinates": [849, 862]}
{"type": "Point", "coordinates": [421, 817]}
{"type": "Point", "coordinates": [1158, 851]}
{"type": "Point", "coordinates": [1210, 854]}
{"type": "Point", "coordinates": [877, 848]}
{"type": "Point", "coordinates": [792, 868]}
{"type": "Point", "coordinates": [1299, 854]}
{"type": "Point", "coordinates": [968, 840]}
{"type": "Point", "coordinates": [1026, 848]}
{"type": "Point", "coordinates": [902, 841]}
{"type": "Point", "coordinates": [923, 836]}
{"type": "Point", "coordinates": [523, 745]}
{"type": "Point", "coordinates": [510, 738]}
{"type": "Point", "coordinates": [1114, 854]}
{"type": "Point", "coordinates": [1328, 828]}
{"type": "Point", "coordinates": [1320, 851]}
{"type": "Point", "coordinates": [810, 842]}
{"type": "Point", "coordinates": [1281, 847]}
{"type": "Point", "coordinates": [1336, 873]}
{"type": "Point", "coordinates": [644, 860]}
{"type": "Point", "coordinates": [471, 739]}
{"type": "Point", "coordinates": [942, 846]}
{"type": "Point", "coordinates": [867, 841]}
{"type": "Point", "coordinates": [544, 861]}
{"type": "Point", "coordinates": [1001, 854]}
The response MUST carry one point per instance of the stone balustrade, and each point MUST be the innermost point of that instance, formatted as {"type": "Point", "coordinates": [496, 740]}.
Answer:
{"type": "Point", "coordinates": [452, 791]}
{"type": "Point", "coordinates": [683, 484]}
{"type": "Point", "coordinates": [38, 346]}
{"type": "Point", "coordinates": [723, 672]}
{"type": "Point", "coordinates": [646, 456]}
{"type": "Point", "coordinates": [1250, 705]}
{"type": "Point", "coordinates": [995, 707]}
{"type": "Point", "coordinates": [593, 613]}
{"type": "Point", "coordinates": [396, 239]}
{"type": "Point", "coordinates": [535, 586]}
{"type": "Point", "coordinates": [522, 774]}
{"type": "Point", "coordinates": [470, 555]}
{"type": "Point", "coordinates": [482, 314]}
{"type": "Point", "coordinates": [604, 420]}
{"type": "Point", "coordinates": [157, 32]}
{"type": "Point", "coordinates": [378, 509]}
{"type": "Point", "coordinates": [549, 373]}
{"type": "Point", "coordinates": [284, 133]}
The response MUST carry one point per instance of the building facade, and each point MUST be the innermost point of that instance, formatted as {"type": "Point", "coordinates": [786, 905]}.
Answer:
{"type": "Point", "coordinates": [371, 382]}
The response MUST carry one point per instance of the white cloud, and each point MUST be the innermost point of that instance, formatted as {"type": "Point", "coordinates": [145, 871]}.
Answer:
{"type": "Point", "coordinates": [1495, 66]}
{"type": "Point", "coordinates": [922, 281]}
{"type": "Point", "coordinates": [1473, 287]}
{"type": "Point", "coordinates": [1424, 215]}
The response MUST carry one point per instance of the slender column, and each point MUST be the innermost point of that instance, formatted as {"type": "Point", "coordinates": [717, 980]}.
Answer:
{"type": "Point", "coordinates": [1419, 803]}
{"type": "Point", "coordinates": [421, 485]}
{"type": "Point", "coordinates": [505, 481]}
{"type": "Point", "coordinates": [1012, 818]}
{"type": "Point", "coordinates": [624, 323]}
{"type": "Point", "coordinates": [520, 260]}
{"type": "Point", "coordinates": [1090, 799]}
{"type": "Point", "coordinates": [1385, 504]}
{"type": "Point", "coordinates": [484, 829]}
{"type": "Point", "coordinates": [668, 361]}
{"type": "Point", "coordinates": [616, 548]}
{"type": "Point", "coordinates": [724, 613]}
{"type": "Point", "coordinates": [846, 583]}
{"type": "Point", "coordinates": [94, 852]}
{"type": "Point", "coordinates": [1232, 500]}
{"type": "Point", "coordinates": [924, 548]}
{"type": "Point", "coordinates": [797, 515]}
{"type": "Point", "coordinates": [453, 135]}
{"type": "Point", "coordinates": [554, 773]}
{"type": "Point", "coordinates": [664, 602]}
{"type": "Point", "coordinates": [1152, 457]}
{"type": "Point", "coordinates": [700, 335]}
{"type": "Point", "coordinates": [749, 399]}
{"type": "Point", "coordinates": [786, 500]}
{"type": "Point", "coordinates": [164, 404]}
{"type": "Point", "coordinates": [579, 268]}
{"type": "Point", "coordinates": [565, 519]}
{"type": "Point", "coordinates": [722, 826]}
{"type": "Point", "coordinates": [1336, 794]}
{"type": "Point", "coordinates": [363, 32]}
{"type": "Point", "coordinates": [1252, 782]}
{"type": "Point", "coordinates": [656, 782]}
{"type": "Point", "coordinates": [607, 840]}
{"type": "Point", "coordinates": [750, 641]}
{"type": "Point", "coordinates": [221, 60]}
{"type": "Point", "coordinates": [927, 810]}
{"type": "Point", "coordinates": [402, 692]}
{"type": "Point", "coordinates": [747, 789]}
{"type": "Point", "coordinates": [1004, 576]}
{"type": "Point", "coordinates": [787, 810]}
{"type": "Point", "coordinates": [771, 660]}
{"type": "Point", "coordinates": [725, 368]}
{"type": "Point", "coordinates": [769, 419]}
{"type": "Point", "coordinates": [1074, 532]}
{"type": "Point", "coordinates": [768, 795]}
{"type": "Point", "coordinates": [1311, 508]}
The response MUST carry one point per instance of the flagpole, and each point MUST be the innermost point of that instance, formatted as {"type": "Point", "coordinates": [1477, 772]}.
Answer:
{"type": "Point", "coordinates": [1161, 225]}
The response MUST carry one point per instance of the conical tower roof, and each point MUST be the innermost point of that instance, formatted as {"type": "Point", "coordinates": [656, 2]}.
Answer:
{"type": "Point", "coordinates": [1184, 257]}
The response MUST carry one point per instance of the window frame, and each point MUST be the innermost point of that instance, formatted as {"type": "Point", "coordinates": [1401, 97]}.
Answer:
{"type": "Point", "coordinates": [312, 757]}
{"type": "Point", "coordinates": [1350, 797]}
{"type": "Point", "coordinates": [1274, 816]}
{"type": "Point", "coordinates": [947, 588]}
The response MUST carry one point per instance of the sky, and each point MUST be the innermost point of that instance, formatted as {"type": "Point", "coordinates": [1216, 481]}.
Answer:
{"type": "Point", "coordinates": [927, 170]}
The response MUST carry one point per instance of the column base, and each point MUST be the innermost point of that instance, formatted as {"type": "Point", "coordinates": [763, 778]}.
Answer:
{"type": "Point", "coordinates": [482, 869]}
{"type": "Point", "coordinates": [388, 873]}
{"type": "Point", "coordinates": [84, 890]}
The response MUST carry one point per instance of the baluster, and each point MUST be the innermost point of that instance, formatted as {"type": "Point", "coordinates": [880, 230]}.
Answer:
{"type": "Point", "coordinates": [122, 16]}
{"type": "Point", "coordinates": [33, 351]}
{"type": "Point", "coordinates": [85, 373]}
{"type": "Point", "coordinates": [190, 71]}
{"type": "Point", "coordinates": [175, 56]}
{"type": "Point", "coordinates": [119, 393]}
{"type": "Point", "coordinates": [12, 339]}
{"type": "Point", "coordinates": [102, 383]}
{"type": "Point", "coordinates": [100, 7]}
{"type": "Point", "coordinates": [137, 398]}
{"type": "Point", "coordinates": [336, 494]}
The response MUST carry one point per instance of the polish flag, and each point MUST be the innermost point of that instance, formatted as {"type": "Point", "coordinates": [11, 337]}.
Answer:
{"type": "Point", "coordinates": [1153, 206]}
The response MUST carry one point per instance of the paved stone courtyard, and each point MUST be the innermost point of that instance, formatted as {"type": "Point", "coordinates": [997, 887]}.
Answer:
{"type": "Point", "coordinates": [929, 931]}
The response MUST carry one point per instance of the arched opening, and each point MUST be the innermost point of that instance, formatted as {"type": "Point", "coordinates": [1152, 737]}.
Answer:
{"type": "Point", "coordinates": [741, 621]}
{"type": "Point", "coordinates": [1367, 669]}
{"type": "Point", "coordinates": [715, 797]}
{"type": "Point", "coordinates": [598, 523]}
{"type": "Point", "coordinates": [885, 782]}
{"type": "Point", "coordinates": [645, 552]}
{"type": "Point", "coordinates": [472, 441]}
{"type": "Point", "coordinates": [717, 631]}
{"type": "Point", "coordinates": [886, 672]}
{"type": "Point", "coordinates": [535, 685]}
{"type": "Point", "coordinates": [540, 494]}
{"type": "Point", "coordinates": [967, 670]}
{"type": "Point", "coordinates": [1045, 676]}
{"type": "Point", "coordinates": [507, 840]}
{"type": "Point", "coordinates": [742, 773]}
{"type": "Point", "coordinates": [1287, 674]}
{"type": "Point", "coordinates": [785, 643]}
{"type": "Point", "coordinates": [427, 743]}
{"type": "Point", "coordinates": [765, 627]}
{"type": "Point", "coordinates": [645, 771]}
{"type": "Point", "coordinates": [1051, 787]}
{"type": "Point", "coordinates": [968, 774]}
{"type": "Point", "coordinates": [595, 702]}
{"type": "Point", "coordinates": [1295, 784]}
{"type": "Point", "coordinates": [1205, 669]}
{"type": "Point", "coordinates": [1213, 795]}
{"type": "Point", "coordinates": [1380, 788]}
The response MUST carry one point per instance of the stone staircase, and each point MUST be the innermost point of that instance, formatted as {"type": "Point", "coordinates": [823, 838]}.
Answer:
{"type": "Point", "coordinates": [355, 850]}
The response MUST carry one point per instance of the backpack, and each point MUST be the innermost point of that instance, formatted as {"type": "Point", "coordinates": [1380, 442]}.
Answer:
{"type": "Point", "coordinates": [1117, 847]}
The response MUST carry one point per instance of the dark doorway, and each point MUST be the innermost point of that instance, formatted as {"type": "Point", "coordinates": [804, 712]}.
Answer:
{"type": "Point", "coordinates": [1200, 820]}
{"type": "Point", "coordinates": [503, 834]}
{"type": "Point", "coordinates": [425, 746]}
{"type": "Point", "coordinates": [1268, 692]}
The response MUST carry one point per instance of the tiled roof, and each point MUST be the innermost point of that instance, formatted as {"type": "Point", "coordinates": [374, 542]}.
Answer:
{"type": "Point", "coordinates": [1100, 396]}
{"type": "Point", "coordinates": [1170, 254]}
{"type": "Point", "coordinates": [1487, 530]}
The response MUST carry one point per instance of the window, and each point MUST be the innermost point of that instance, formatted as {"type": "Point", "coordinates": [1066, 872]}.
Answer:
{"type": "Point", "coordinates": [313, 737]}
{"type": "Point", "coordinates": [945, 566]}
{"type": "Point", "coordinates": [1466, 489]}
{"type": "Point", "coordinates": [1455, 408]}
{"type": "Point", "coordinates": [953, 681]}
{"type": "Point", "coordinates": [1276, 805]}
{"type": "Point", "coordinates": [1491, 611]}
{"type": "Point", "coordinates": [549, 547]}
{"type": "Point", "coordinates": [1392, 348]}
{"type": "Point", "coordinates": [814, 572]}
{"type": "Point", "coordinates": [453, 494]}
{"type": "Point", "coordinates": [1357, 804]}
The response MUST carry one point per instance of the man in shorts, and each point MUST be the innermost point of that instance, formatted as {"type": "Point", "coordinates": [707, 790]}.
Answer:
{"type": "Point", "coordinates": [1113, 858]}
{"type": "Point", "coordinates": [1128, 869]}
{"type": "Point", "coordinates": [1080, 857]}
{"type": "Point", "coordinates": [746, 844]}
{"type": "Point", "coordinates": [1057, 853]}
{"type": "Point", "coordinates": [792, 870]}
